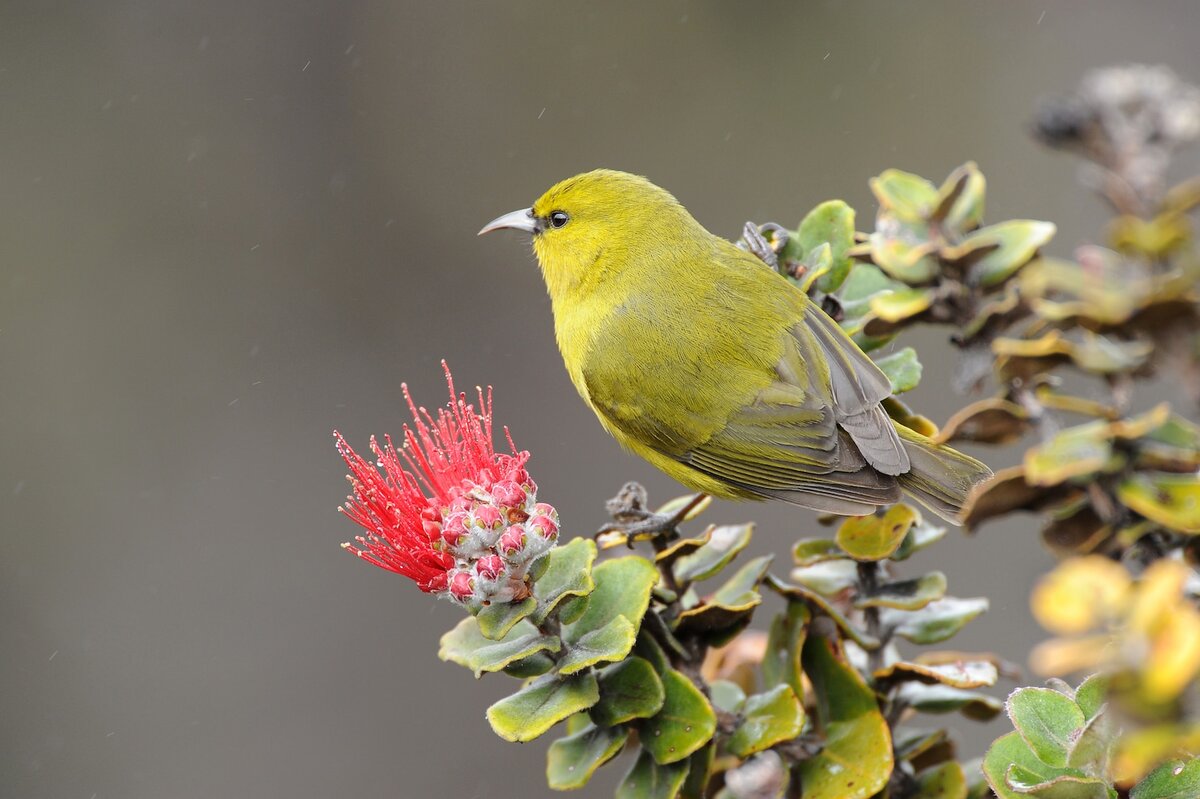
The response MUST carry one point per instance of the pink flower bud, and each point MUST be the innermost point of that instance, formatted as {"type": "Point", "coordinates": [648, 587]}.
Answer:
{"type": "Point", "coordinates": [512, 542]}
{"type": "Point", "coordinates": [544, 527]}
{"type": "Point", "coordinates": [432, 530]}
{"type": "Point", "coordinates": [545, 509]}
{"type": "Point", "coordinates": [487, 517]}
{"type": "Point", "coordinates": [490, 567]}
{"type": "Point", "coordinates": [459, 504]}
{"type": "Point", "coordinates": [508, 494]}
{"type": "Point", "coordinates": [462, 585]}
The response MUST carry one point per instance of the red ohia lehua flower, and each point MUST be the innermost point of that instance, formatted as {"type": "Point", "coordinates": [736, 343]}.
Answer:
{"type": "Point", "coordinates": [445, 509]}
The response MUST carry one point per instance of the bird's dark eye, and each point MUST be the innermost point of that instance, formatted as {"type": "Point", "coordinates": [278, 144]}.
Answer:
{"type": "Point", "coordinates": [558, 218]}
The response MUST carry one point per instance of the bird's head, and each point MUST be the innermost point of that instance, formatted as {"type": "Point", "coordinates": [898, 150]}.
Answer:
{"type": "Point", "coordinates": [620, 216]}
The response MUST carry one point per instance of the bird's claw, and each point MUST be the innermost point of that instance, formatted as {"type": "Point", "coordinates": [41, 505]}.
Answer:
{"type": "Point", "coordinates": [764, 242]}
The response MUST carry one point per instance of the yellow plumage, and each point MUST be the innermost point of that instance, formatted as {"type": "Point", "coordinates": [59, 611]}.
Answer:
{"type": "Point", "coordinates": [713, 367]}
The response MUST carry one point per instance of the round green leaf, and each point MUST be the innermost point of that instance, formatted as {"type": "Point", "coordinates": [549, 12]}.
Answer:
{"type": "Point", "coordinates": [540, 705]}
{"type": "Point", "coordinates": [767, 719]}
{"type": "Point", "coordinates": [1091, 694]}
{"type": "Point", "coordinates": [629, 690]}
{"type": "Point", "coordinates": [721, 544]}
{"type": "Point", "coordinates": [935, 622]}
{"type": "Point", "coordinates": [908, 196]}
{"type": "Point", "coordinates": [1176, 779]}
{"type": "Point", "coordinates": [1008, 751]}
{"type": "Point", "coordinates": [944, 699]}
{"type": "Point", "coordinates": [731, 603]}
{"type": "Point", "coordinates": [727, 696]}
{"type": "Point", "coordinates": [902, 368]}
{"type": "Point", "coordinates": [623, 588]}
{"type": "Point", "coordinates": [610, 643]}
{"type": "Point", "coordinates": [1047, 721]}
{"type": "Point", "coordinates": [962, 674]}
{"type": "Point", "coordinates": [568, 573]}
{"type": "Point", "coordinates": [945, 781]}
{"type": "Point", "coordinates": [829, 577]}
{"type": "Point", "coordinates": [1171, 500]}
{"type": "Point", "coordinates": [997, 251]}
{"type": "Point", "coordinates": [496, 619]}
{"type": "Point", "coordinates": [808, 551]}
{"type": "Point", "coordinates": [856, 760]}
{"type": "Point", "coordinates": [571, 761]}
{"type": "Point", "coordinates": [781, 662]}
{"type": "Point", "coordinates": [904, 594]}
{"type": "Point", "coordinates": [685, 723]}
{"type": "Point", "coordinates": [876, 537]}
{"type": "Point", "coordinates": [466, 646]}
{"type": "Point", "coordinates": [830, 222]}
{"type": "Point", "coordinates": [648, 779]}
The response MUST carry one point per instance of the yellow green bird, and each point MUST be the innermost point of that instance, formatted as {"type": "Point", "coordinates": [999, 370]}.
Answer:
{"type": "Point", "coordinates": [714, 367]}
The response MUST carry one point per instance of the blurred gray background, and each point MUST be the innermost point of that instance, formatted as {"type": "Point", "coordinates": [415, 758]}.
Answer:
{"type": "Point", "coordinates": [228, 227]}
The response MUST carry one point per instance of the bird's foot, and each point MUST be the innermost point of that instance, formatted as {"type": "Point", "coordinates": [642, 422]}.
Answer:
{"type": "Point", "coordinates": [633, 522]}
{"type": "Point", "coordinates": [764, 242]}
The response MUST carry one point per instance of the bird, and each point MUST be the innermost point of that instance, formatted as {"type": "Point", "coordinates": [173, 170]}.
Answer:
{"type": "Point", "coordinates": [715, 368]}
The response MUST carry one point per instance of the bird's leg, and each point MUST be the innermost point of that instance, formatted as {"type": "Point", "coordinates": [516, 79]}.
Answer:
{"type": "Point", "coordinates": [765, 242]}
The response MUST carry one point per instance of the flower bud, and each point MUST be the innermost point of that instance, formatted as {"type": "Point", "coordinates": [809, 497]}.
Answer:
{"type": "Point", "coordinates": [545, 509]}
{"type": "Point", "coordinates": [512, 543]}
{"type": "Point", "coordinates": [461, 585]}
{"type": "Point", "coordinates": [486, 517]}
{"type": "Point", "coordinates": [454, 528]}
{"type": "Point", "coordinates": [490, 567]}
{"type": "Point", "coordinates": [544, 527]}
{"type": "Point", "coordinates": [508, 495]}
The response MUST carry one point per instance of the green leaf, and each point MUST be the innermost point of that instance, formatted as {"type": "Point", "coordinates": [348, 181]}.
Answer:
{"type": "Point", "coordinates": [856, 760]}
{"type": "Point", "coordinates": [763, 776]}
{"type": "Point", "coordinates": [610, 643]}
{"type": "Point", "coordinates": [699, 766]}
{"type": "Point", "coordinates": [727, 696]}
{"type": "Point", "coordinates": [944, 781]}
{"type": "Point", "coordinates": [1176, 779]}
{"type": "Point", "coordinates": [571, 761]}
{"type": "Point", "coordinates": [622, 589]}
{"type": "Point", "coordinates": [828, 578]}
{"type": "Point", "coordinates": [960, 674]}
{"type": "Point", "coordinates": [808, 551]}
{"type": "Point", "coordinates": [908, 196]}
{"type": "Point", "coordinates": [721, 545]}
{"type": "Point", "coordinates": [1010, 751]}
{"type": "Point", "coordinates": [902, 368]}
{"type": "Point", "coordinates": [767, 719]}
{"type": "Point", "coordinates": [944, 699]}
{"type": "Point", "coordinates": [830, 222]}
{"type": "Point", "coordinates": [1047, 721]}
{"type": "Point", "coordinates": [532, 666]}
{"type": "Point", "coordinates": [648, 779]}
{"type": "Point", "coordinates": [629, 690]}
{"type": "Point", "coordinates": [1064, 786]}
{"type": "Point", "coordinates": [1091, 695]}
{"type": "Point", "coordinates": [1076, 452]}
{"type": "Point", "coordinates": [466, 646]}
{"type": "Point", "coordinates": [685, 723]}
{"type": "Point", "coordinates": [960, 199]}
{"type": "Point", "coordinates": [897, 306]}
{"type": "Point", "coordinates": [1171, 500]}
{"type": "Point", "coordinates": [876, 537]}
{"type": "Point", "coordinates": [1091, 749]}
{"type": "Point", "coordinates": [904, 594]}
{"type": "Point", "coordinates": [540, 705]}
{"type": "Point", "coordinates": [568, 573]}
{"type": "Point", "coordinates": [935, 622]}
{"type": "Point", "coordinates": [997, 251]}
{"type": "Point", "coordinates": [496, 619]}
{"type": "Point", "coordinates": [799, 592]}
{"type": "Point", "coordinates": [920, 535]}
{"type": "Point", "coordinates": [731, 603]}
{"type": "Point", "coordinates": [781, 662]}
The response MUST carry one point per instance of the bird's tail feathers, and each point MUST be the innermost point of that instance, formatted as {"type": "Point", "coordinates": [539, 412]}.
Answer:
{"type": "Point", "coordinates": [940, 478]}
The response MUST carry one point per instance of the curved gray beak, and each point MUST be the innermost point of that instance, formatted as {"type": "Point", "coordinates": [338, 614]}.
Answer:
{"type": "Point", "coordinates": [517, 220]}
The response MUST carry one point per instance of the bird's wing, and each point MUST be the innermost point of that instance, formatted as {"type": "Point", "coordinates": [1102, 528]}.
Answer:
{"type": "Point", "coordinates": [856, 388]}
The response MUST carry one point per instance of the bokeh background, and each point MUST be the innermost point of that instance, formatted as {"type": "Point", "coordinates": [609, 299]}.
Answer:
{"type": "Point", "coordinates": [227, 228]}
